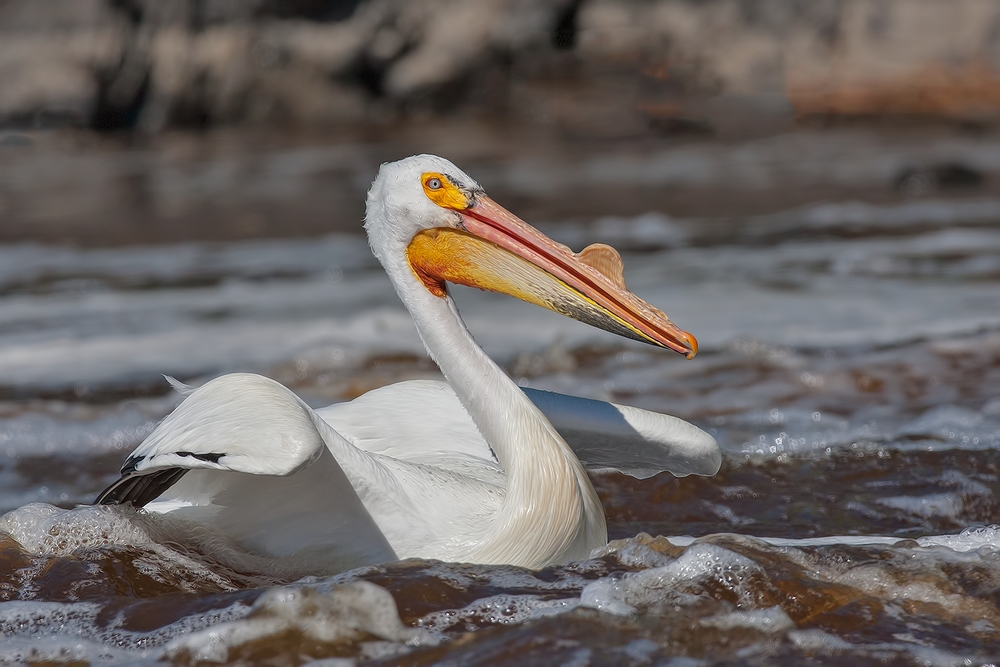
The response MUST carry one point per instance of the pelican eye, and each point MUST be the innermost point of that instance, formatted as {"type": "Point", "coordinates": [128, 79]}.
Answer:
{"type": "Point", "coordinates": [443, 191]}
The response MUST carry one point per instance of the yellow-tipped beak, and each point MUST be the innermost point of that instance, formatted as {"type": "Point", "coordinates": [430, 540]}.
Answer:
{"type": "Point", "coordinates": [499, 252]}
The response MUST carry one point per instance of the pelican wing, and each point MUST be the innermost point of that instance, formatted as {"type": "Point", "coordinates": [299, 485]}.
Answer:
{"type": "Point", "coordinates": [401, 471]}
{"type": "Point", "coordinates": [429, 425]}
{"type": "Point", "coordinates": [246, 456]}
{"type": "Point", "coordinates": [636, 442]}
{"type": "Point", "coordinates": [421, 421]}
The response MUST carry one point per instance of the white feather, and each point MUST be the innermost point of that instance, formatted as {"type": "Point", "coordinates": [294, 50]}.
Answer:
{"type": "Point", "coordinates": [178, 386]}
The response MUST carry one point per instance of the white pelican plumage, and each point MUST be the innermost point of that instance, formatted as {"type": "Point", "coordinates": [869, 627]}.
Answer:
{"type": "Point", "coordinates": [474, 469]}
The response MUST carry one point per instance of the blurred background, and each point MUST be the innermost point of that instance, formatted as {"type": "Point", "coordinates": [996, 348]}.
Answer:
{"type": "Point", "coordinates": [131, 121]}
{"type": "Point", "coordinates": [811, 187]}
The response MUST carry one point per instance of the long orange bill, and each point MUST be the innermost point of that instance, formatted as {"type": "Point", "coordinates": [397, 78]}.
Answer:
{"type": "Point", "coordinates": [498, 251]}
{"type": "Point", "coordinates": [490, 221]}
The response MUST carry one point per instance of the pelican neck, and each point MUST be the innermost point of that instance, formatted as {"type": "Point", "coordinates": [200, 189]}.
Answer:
{"type": "Point", "coordinates": [551, 512]}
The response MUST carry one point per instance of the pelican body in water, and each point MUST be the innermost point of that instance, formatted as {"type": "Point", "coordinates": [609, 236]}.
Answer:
{"type": "Point", "coordinates": [474, 469]}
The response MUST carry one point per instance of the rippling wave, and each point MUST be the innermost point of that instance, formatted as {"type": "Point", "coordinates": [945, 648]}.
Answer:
{"type": "Point", "coordinates": [850, 369]}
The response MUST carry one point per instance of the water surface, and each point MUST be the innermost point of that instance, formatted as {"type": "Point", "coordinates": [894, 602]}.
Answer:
{"type": "Point", "coordinates": [850, 370]}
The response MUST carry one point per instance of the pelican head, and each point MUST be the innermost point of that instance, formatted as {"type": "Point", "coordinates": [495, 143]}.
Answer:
{"type": "Point", "coordinates": [429, 211]}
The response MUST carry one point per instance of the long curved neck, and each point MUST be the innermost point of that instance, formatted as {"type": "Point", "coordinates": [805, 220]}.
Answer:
{"type": "Point", "coordinates": [551, 512]}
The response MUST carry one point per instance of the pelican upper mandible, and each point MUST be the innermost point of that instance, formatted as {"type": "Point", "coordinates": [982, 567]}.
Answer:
{"type": "Point", "coordinates": [474, 469]}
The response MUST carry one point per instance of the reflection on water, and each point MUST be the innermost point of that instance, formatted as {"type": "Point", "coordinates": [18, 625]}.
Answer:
{"type": "Point", "coordinates": [850, 368]}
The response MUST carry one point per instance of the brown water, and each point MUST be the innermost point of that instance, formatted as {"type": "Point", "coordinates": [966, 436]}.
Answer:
{"type": "Point", "coordinates": [851, 373]}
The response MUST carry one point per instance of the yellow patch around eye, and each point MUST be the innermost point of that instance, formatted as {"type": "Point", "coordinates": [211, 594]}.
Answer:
{"type": "Point", "coordinates": [440, 190]}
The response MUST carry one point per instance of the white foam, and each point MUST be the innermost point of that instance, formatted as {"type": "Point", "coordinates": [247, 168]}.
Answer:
{"type": "Point", "coordinates": [62, 649]}
{"type": "Point", "coordinates": [505, 609]}
{"type": "Point", "coordinates": [803, 431]}
{"type": "Point", "coordinates": [970, 539]}
{"type": "Point", "coordinates": [60, 632]}
{"type": "Point", "coordinates": [824, 541]}
{"type": "Point", "coordinates": [40, 631]}
{"type": "Point", "coordinates": [46, 530]}
{"type": "Point", "coordinates": [679, 581]}
{"type": "Point", "coordinates": [930, 656]}
{"type": "Point", "coordinates": [349, 612]}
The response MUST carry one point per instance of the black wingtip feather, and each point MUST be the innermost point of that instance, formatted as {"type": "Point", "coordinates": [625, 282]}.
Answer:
{"type": "Point", "coordinates": [211, 458]}
{"type": "Point", "coordinates": [130, 464]}
{"type": "Point", "coordinates": [137, 490]}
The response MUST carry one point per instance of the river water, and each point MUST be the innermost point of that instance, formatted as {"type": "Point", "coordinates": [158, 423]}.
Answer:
{"type": "Point", "coordinates": [850, 370]}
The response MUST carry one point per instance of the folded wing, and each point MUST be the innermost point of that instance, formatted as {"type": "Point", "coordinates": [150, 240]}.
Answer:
{"type": "Point", "coordinates": [246, 456]}
{"type": "Point", "coordinates": [423, 421]}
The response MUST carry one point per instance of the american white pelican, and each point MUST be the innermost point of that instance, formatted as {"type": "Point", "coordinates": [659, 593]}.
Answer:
{"type": "Point", "coordinates": [474, 469]}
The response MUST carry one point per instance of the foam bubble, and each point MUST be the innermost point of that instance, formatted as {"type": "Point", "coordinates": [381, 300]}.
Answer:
{"type": "Point", "coordinates": [496, 610]}
{"type": "Point", "coordinates": [47, 530]}
{"type": "Point", "coordinates": [61, 650]}
{"type": "Point", "coordinates": [680, 581]}
{"type": "Point", "coordinates": [347, 613]}
{"type": "Point", "coordinates": [61, 632]}
{"type": "Point", "coordinates": [970, 539]}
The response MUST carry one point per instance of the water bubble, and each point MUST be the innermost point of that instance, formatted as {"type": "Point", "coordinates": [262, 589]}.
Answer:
{"type": "Point", "coordinates": [333, 274]}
